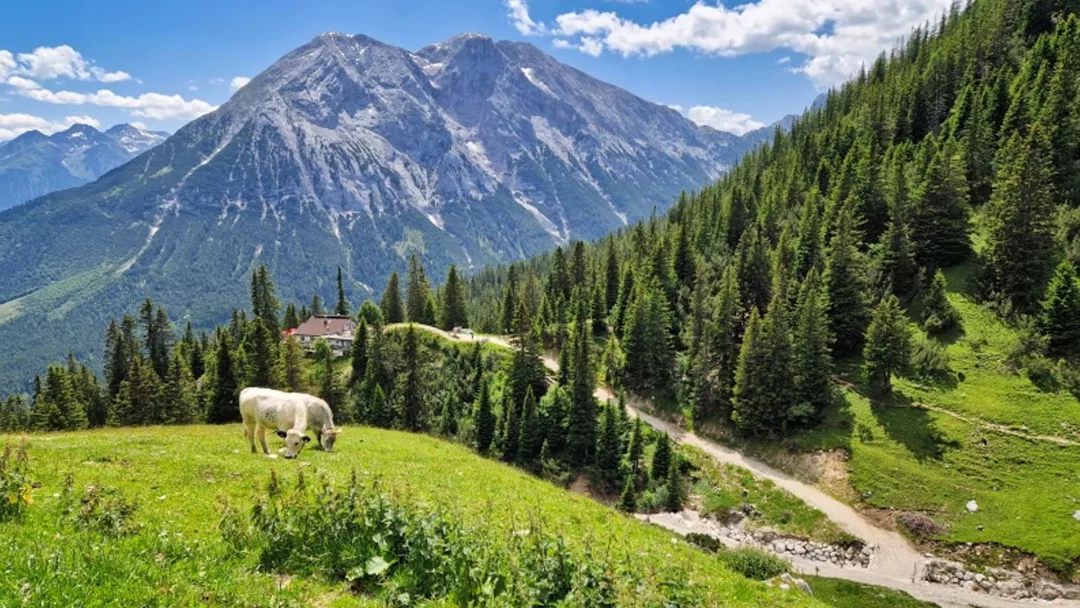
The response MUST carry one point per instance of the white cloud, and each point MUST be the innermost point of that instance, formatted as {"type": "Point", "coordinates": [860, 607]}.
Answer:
{"type": "Point", "coordinates": [51, 62]}
{"type": "Point", "coordinates": [723, 120]}
{"type": "Point", "coordinates": [14, 125]}
{"type": "Point", "coordinates": [837, 36]}
{"type": "Point", "coordinates": [676, 107]}
{"type": "Point", "coordinates": [518, 12]}
{"type": "Point", "coordinates": [559, 43]}
{"type": "Point", "coordinates": [139, 125]}
{"type": "Point", "coordinates": [783, 60]}
{"type": "Point", "coordinates": [7, 63]}
{"type": "Point", "coordinates": [238, 83]}
{"type": "Point", "coordinates": [22, 83]}
{"type": "Point", "coordinates": [148, 105]}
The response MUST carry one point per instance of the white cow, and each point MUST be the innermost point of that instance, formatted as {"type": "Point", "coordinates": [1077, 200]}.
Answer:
{"type": "Point", "coordinates": [286, 413]}
{"type": "Point", "coordinates": [319, 417]}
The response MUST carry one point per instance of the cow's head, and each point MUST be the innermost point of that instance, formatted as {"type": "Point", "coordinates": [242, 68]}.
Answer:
{"type": "Point", "coordinates": [329, 436]}
{"type": "Point", "coordinates": [294, 442]}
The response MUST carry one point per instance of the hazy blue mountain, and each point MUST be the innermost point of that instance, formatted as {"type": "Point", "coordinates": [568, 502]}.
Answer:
{"type": "Point", "coordinates": [348, 152]}
{"type": "Point", "coordinates": [34, 164]}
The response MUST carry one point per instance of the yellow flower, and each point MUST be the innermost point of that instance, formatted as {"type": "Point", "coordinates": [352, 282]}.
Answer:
{"type": "Point", "coordinates": [12, 499]}
{"type": "Point", "coordinates": [28, 499]}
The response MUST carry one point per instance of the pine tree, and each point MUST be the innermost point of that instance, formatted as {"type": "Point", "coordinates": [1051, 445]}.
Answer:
{"type": "Point", "coordinates": [577, 265]}
{"type": "Point", "coordinates": [1021, 250]}
{"type": "Point", "coordinates": [330, 386]}
{"type": "Point", "coordinates": [940, 213]}
{"type": "Point", "coordinates": [223, 405]}
{"type": "Point", "coordinates": [726, 323]}
{"type": "Point", "coordinates": [292, 318]}
{"type": "Point", "coordinates": [558, 285]}
{"type": "Point", "coordinates": [264, 302]}
{"type": "Point", "coordinates": [755, 270]}
{"type": "Point", "coordinates": [418, 299]}
{"type": "Point", "coordinates": [661, 462]}
{"type": "Point", "coordinates": [939, 315]}
{"type": "Point", "coordinates": [896, 251]}
{"type": "Point", "coordinates": [888, 345]}
{"type": "Point", "coordinates": [532, 435]}
{"type": "Point", "coordinates": [526, 367]}
{"type": "Point", "coordinates": [628, 496]}
{"type": "Point", "coordinates": [358, 355]}
{"type": "Point", "coordinates": [675, 495]}
{"type": "Point", "coordinates": [511, 427]}
{"type": "Point", "coordinates": [453, 312]}
{"type": "Point", "coordinates": [1060, 319]}
{"type": "Point", "coordinates": [608, 450]}
{"type": "Point", "coordinates": [392, 309]}
{"type": "Point", "coordinates": [317, 309]}
{"type": "Point", "coordinates": [342, 306]}
{"type": "Point", "coordinates": [261, 356]}
{"type": "Point", "coordinates": [626, 297]}
{"type": "Point", "coordinates": [812, 358]}
{"type": "Point", "coordinates": [683, 261]}
{"type": "Point", "coordinates": [581, 419]}
{"type": "Point", "coordinates": [647, 337]}
{"type": "Point", "coordinates": [556, 406]}
{"type": "Point", "coordinates": [289, 367]}
{"type": "Point", "coordinates": [845, 285]}
{"type": "Point", "coordinates": [483, 419]}
{"type": "Point", "coordinates": [635, 449]}
{"type": "Point", "coordinates": [178, 395]}
{"type": "Point", "coordinates": [412, 401]}
{"type": "Point", "coordinates": [764, 393]}
{"type": "Point", "coordinates": [611, 276]}
{"type": "Point", "coordinates": [509, 303]}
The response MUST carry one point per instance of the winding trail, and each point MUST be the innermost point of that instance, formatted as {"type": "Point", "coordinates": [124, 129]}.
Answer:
{"type": "Point", "coordinates": [894, 564]}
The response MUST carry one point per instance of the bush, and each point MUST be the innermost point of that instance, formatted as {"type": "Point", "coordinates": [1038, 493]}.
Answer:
{"type": "Point", "coordinates": [920, 525]}
{"type": "Point", "coordinates": [754, 563]}
{"type": "Point", "coordinates": [704, 541]}
{"type": "Point", "coordinates": [15, 483]}
{"type": "Point", "coordinates": [929, 359]}
{"type": "Point", "coordinates": [403, 554]}
{"type": "Point", "coordinates": [100, 508]}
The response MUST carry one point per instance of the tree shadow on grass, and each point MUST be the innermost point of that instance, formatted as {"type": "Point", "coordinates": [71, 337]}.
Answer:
{"type": "Point", "coordinates": [912, 426]}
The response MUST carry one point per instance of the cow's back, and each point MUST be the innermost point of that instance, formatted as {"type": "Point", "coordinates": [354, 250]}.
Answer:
{"type": "Point", "coordinates": [252, 396]}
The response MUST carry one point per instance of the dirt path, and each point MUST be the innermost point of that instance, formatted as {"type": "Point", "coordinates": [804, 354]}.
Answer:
{"type": "Point", "coordinates": [894, 564]}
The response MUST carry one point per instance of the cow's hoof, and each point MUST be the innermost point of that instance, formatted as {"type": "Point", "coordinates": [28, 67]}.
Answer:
{"type": "Point", "coordinates": [271, 456]}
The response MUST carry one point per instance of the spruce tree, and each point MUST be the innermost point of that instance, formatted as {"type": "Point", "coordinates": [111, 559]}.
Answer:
{"type": "Point", "coordinates": [532, 435]}
{"type": "Point", "coordinates": [358, 355]}
{"type": "Point", "coordinates": [611, 276]}
{"type": "Point", "coordinates": [608, 452]}
{"type": "Point", "coordinates": [661, 462]}
{"type": "Point", "coordinates": [675, 495]}
{"type": "Point", "coordinates": [342, 306]}
{"type": "Point", "coordinates": [939, 315]}
{"type": "Point", "coordinates": [179, 393]}
{"type": "Point", "coordinates": [511, 427]}
{"type": "Point", "coordinates": [483, 419]}
{"type": "Point", "coordinates": [453, 311]}
{"type": "Point", "coordinates": [292, 318]}
{"type": "Point", "coordinates": [635, 448]}
{"type": "Point", "coordinates": [628, 496]}
{"type": "Point", "coordinates": [812, 358]}
{"type": "Point", "coordinates": [412, 400]}
{"type": "Point", "coordinates": [647, 338]}
{"type": "Point", "coordinates": [581, 419]}
{"type": "Point", "coordinates": [290, 366]}
{"type": "Point", "coordinates": [448, 423]}
{"type": "Point", "coordinates": [261, 356]}
{"type": "Point", "coordinates": [845, 285]}
{"type": "Point", "coordinates": [392, 309]}
{"type": "Point", "coordinates": [509, 302]}
{"type": "Point", "coordinates": [418, 296]}
{"type": "Point", "coordinates": [317, 309]}
{"type": "Point", "coordinates": [224, 406]}
{"type": "Point", "coordinates": [888, 345]}
{"type": "Point", "coordinates": [765, 395]}
{"type": "Point", "coordinates": [940, 212]}
{"type": "Point", "coordinates": [329, 385]}
{"type": "Point", "coordinates": [1020, 246]}
{"type": "Point", "coordinates": [1060, 319]}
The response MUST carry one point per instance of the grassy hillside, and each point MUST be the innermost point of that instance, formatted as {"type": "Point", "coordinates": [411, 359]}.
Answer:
{"type": "Point", "coordinates": [182, 479]}
{"type": "Point", "coordinates": [980, 431]}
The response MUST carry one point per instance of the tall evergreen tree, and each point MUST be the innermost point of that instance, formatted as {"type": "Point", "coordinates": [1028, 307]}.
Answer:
{"type": "Point", "coordinates": [510, 299]}
{"type": "Point", "coordinates": [608, 450]}
{"type": "Point", "coordinates": [1060, 319]}
{"type": "Point", "coordinates": [647, 337]}
{"type": "Point", "coordinates": [888, 345]}
{"type": "Point", "coordinates": [628, 496]}
{"type": "Point", "coordinates": [1021, 250]}
{"type": "Point", "coordinates": [330, 385]}
{"type": "Point", "coordinates": [262, 355]}
{"type": "Point", "coordinates": [392, 309]}
{"type": "Point", "coordinates": [223, 405]}
{"type": "Point", "coordinates": [290, 365]}
{"type": "Point", "coordinates": [611, 276]}
{"type": "Point", "coordinates": [845, 285]}
{"type": "Point", "coordinates": [941, 211]}
{"type": "Point", "coordinates": [812, 359]}
{"type": "Point", "coordinates": [581, 419]}
{"type": "Point", "coordinates": [483, 419]}
{"type": "Point", "coordinates": [342, 306]}
{"type": "Point", "coordinates": [453, 311]}
{"type": "Point", "coordinates": [412, 406]}
{"type": "Point", "coordinates": [532, 435]}
{"type": "Point", "coordinates": [675, 493]}
{"type": "Point", "coordinates": [178, 395]}
{"type": "Point", "coordinates": [418, 302]}
{"type": "Point", "coordinates": [661, 462]}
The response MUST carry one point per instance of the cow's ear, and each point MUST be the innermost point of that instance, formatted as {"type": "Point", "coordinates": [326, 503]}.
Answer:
{"type": "Point", "coordinates": [306, 439]}
{"type": "Point", "coordinates": [282, 434]}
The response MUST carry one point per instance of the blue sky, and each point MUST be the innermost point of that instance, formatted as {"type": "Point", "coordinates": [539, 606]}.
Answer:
{"type": "Point", "coordinates": [733, 65]}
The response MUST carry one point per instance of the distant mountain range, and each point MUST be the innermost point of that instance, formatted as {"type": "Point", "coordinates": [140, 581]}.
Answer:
{"type": "Point", "coordinates": [34, 164]}
{"type": "Point", "coordinates": [346, 152]}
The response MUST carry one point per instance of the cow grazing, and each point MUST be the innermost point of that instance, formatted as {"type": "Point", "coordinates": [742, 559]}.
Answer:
{"type": "Point", "coordinates": [286, 413]}
{"type": "Point", "coordinates": [321, 421]}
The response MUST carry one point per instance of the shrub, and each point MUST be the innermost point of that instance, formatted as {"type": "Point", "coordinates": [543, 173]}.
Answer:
{"type": "Point", "coordinates": [406, 554]}
{"type": "Point", "coordinates": [920, 525]}
{"type": "Point", "coordinates": [929, 359]}
{"type": "Point", "coordinates": [754, 563]}
{"type": "Point", "coordinates": [15, 483]}
{"type": "Point", "coordinates": [100, 508]}
{"type": "Point", "coordinates": [704, 541]}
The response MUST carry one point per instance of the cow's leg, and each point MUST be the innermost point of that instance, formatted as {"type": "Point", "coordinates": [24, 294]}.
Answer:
{"type": "Point", "coordinates": [262, 439]}
{"type": "Point", "coordinates": [249, 434]}
{"type": "Point", "coordinates": [318, 439]}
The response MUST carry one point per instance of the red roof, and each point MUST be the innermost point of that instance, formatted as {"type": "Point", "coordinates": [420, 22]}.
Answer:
{"type": "Point", "coordinates": [326, 326]}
